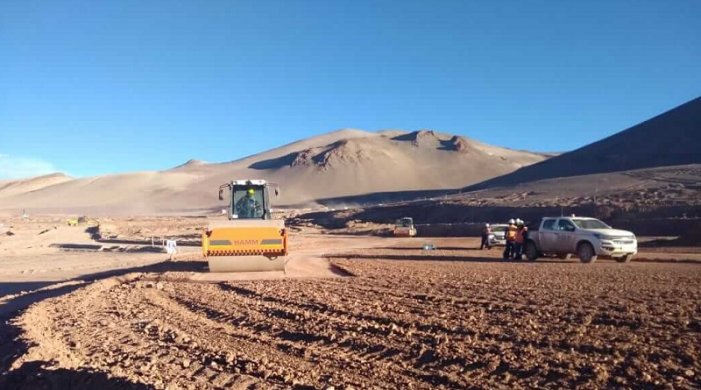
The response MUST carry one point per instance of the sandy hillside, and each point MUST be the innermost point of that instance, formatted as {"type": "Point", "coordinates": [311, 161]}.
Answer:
{"type": "Point", "coordinates": [342, 163]}
{"type": "Point", "coordinates": [671, 138]}
{"type": "Point", "coordinates": [15, 187]}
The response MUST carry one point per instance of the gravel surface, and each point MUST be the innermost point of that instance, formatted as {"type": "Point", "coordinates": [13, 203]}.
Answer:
{"type": "Point", "coordinates": [407, 319]}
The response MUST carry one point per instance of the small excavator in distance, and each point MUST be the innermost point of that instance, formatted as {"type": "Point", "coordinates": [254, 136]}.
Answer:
{"type": "Point", "coordinates": [250, 240]}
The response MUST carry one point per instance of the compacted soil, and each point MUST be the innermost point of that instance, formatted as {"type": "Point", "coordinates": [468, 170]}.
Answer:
{"type": "Point", "coordinates": [401, 317]}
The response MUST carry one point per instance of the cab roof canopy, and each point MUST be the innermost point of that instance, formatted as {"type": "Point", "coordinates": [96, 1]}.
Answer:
{"type": "Point", "coordinates": [255, 182]}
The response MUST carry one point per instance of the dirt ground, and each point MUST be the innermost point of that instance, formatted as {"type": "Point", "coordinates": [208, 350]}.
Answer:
{"type": "Point", "coordinates": [351, 312]}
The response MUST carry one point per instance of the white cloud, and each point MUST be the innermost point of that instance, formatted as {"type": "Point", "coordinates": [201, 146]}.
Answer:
{"type": "Point", "coordinates": [15, 167]}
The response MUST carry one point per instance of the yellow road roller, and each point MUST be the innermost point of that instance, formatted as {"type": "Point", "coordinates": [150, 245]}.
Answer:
{"type": "Point", "coordinates": [250, 240]}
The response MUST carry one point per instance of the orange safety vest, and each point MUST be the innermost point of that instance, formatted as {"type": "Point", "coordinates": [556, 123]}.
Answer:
{"type": "Point", "coordinates": [521, 235]}
{"type": "Point", "coordinates": [511, 233]}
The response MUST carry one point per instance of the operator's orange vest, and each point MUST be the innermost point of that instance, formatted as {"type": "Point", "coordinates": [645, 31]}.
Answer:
{"type": "Point", "coordinates": [511, 233]}
{"type": "Point", "coordinates": [521, 235]}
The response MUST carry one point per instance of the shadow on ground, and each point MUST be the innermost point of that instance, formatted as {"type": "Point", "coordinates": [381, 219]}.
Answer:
{"type": "Point", "coordinates": [7, 288]}
{"type": "Point", "coordinates": [34, 375]}
{"type": "Point", "coordinates": [8, 307]}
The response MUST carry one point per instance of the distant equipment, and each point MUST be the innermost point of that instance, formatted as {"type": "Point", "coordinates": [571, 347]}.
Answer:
{"type": "Point", "coordinates": [250, 240]}
{"type": "Point", "coordinates": [404, 227]}
{"type": "Point", "coordinates": [76, 221]}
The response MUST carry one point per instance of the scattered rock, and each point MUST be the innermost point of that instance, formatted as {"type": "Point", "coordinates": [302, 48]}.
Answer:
{"type": "Point", "coordinates": [470, 325]}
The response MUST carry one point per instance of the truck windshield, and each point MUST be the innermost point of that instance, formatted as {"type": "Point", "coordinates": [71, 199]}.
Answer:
{"type": "Point", "coordinates": [590, 224]}
{"type": "Point", "coordinates": [498, 229]}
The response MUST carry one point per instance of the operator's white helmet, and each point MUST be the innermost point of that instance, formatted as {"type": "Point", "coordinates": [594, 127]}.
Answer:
{"type": "Point", "coordinates": [511, 221]}
{"type": "Point", "coordinates": [486, 225]}
{"type": "Point", "coordinates": [518, 221]}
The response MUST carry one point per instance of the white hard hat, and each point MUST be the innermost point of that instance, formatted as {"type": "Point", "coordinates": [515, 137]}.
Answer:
{"type": "Point", "coordinates": [486, 225]}
{"type": "Point", "coordinates": [511, 221]}
{"type": "Point", "coordinates": [518, 220]}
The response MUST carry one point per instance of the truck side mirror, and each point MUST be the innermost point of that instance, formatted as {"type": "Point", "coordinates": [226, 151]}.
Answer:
{"type": "Point", "coordinates": [277, 191]}
{"type": "Point", "coordinates": [221, 194]}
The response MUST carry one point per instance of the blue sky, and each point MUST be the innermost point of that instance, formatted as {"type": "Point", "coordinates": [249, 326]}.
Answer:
{"type": "Point", "coordinates": [92, 87]}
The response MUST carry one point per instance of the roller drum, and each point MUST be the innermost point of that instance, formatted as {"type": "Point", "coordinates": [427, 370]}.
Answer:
{"type": "Point", "coordinates": [245, 263]}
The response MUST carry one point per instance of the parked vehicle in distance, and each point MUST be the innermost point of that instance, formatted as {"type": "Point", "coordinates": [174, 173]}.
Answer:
{"type": "Point", "coordinates": [498, 235]}
{"type": "Point", "coordinates": [588, 238]}
{"type": "Point", "coordinates": [404, 227]}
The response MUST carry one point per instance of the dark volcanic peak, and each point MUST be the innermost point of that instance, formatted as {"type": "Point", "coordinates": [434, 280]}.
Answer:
{"type": "Point", "coordinates": [324, 156]}
{"type": "Point", "coordinates": [340, 152]}
{"type": "Point", "coordinates": [431, 138]}
{"type": "Point", "coordinates": [418, 137]}
{"type": "Point", "coordinates": [672, 138]}
{"type": "Point", "coordinates": [457, 144]}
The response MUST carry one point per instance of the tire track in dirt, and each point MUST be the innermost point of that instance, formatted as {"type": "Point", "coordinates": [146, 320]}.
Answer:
{"type": "Point", "coordinates": [398, 324]}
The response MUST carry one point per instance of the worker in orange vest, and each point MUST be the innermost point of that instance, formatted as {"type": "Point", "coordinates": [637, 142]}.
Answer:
{"type": "Point", "coordinates": [510, 236]}
{"type": "Point", "coordinates": [521, 235]}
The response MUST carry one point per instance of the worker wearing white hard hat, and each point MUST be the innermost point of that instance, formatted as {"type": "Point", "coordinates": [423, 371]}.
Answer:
{"type": "Point", "coordinates": [510, 236]}
{"type": "Point", "coordinates": [486, 231]}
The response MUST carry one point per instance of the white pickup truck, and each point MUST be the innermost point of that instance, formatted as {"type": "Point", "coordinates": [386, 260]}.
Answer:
{"type": "Point", "coordinates": [498, 235]}
{"type": "Point", "coordinates": [588, 238]}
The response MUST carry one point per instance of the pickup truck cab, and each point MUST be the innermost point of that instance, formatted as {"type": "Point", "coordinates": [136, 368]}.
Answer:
{"type": "Point", "coordinates": [588, 238]}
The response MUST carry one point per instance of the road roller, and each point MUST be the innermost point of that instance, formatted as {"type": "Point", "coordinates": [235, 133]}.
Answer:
{"type": "Point", "coordinates": [249, 240]}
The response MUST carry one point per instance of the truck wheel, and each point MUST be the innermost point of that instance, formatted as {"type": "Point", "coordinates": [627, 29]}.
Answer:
{"type": "Point", "coordinates": [624, 259]}
{"type": "Point", "coordinates": [586, 253]}
{"type": "Point", "coordinates": [564, 256]}
{"type": "Point", "coordinates": [531, 251]}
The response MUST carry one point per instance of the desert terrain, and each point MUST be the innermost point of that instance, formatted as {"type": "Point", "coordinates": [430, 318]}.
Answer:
{"type": "Point", "coordinates": [646, 178]}
{"type": "Point", "coordinates": [352, 311]}
{"type": "Point", "coordinates": [651, 201]}
{"type": "Point", "coordinates": [293, 195]}
{"type": "Point", "coordinates": [100, 305]}
{"type": "Point", "coordinates": [342, 163]}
